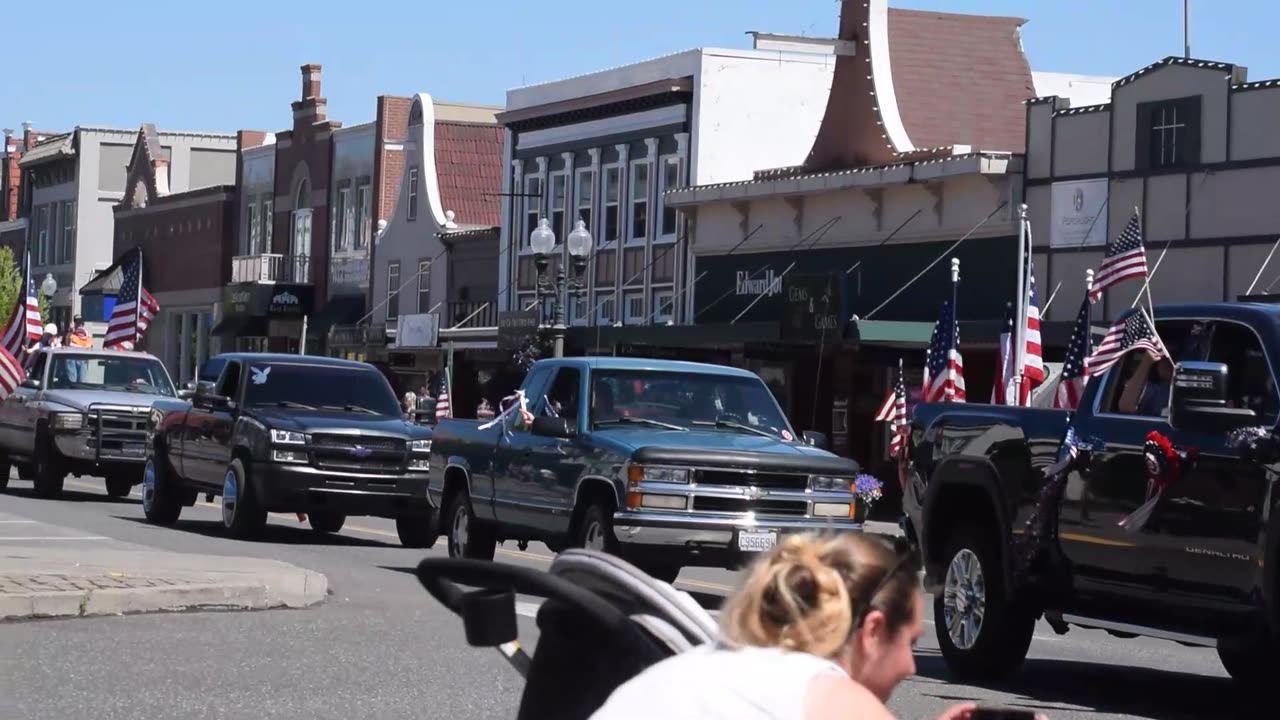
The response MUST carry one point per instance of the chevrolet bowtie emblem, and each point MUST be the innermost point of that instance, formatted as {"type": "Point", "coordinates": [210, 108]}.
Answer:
{"type": "Point", "coordinates": [753, 493]}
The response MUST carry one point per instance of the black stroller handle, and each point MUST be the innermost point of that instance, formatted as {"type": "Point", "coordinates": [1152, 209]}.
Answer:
{"type": "Point", "coordinates": [441, 577]}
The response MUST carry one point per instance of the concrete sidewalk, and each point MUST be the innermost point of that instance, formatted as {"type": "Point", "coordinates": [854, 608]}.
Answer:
{"type": "Point", "coordinates": [49, 573]}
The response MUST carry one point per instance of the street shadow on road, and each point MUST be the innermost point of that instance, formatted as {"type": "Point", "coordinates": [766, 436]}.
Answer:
{"type": "Point", "coordinates": [72, 496]}
{"type": "Point", "coordinates": [273, 533]}
{"type": "Point", "coordinates": [1046, 686]}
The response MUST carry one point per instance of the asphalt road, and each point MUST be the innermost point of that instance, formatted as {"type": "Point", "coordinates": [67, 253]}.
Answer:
{"type": "Point", "coordinates": [380, 647]}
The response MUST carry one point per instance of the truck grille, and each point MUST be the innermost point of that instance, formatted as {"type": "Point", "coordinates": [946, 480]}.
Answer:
{"type": "Point", "coordinates": [706, 503]}
{"type": "Point", "coordinates": [357, 454]}
{"type": "Point", "coordinates": [778, 481]}
{"type": "Point", "coordinates": [117, 434]}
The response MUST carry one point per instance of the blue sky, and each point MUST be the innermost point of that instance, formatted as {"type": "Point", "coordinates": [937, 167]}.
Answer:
{"type": "Point", "coordinates": [234, 64]}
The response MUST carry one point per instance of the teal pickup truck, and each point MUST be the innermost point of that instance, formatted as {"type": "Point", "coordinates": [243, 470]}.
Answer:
{"type": "Point", "coordinates": [668, 464]}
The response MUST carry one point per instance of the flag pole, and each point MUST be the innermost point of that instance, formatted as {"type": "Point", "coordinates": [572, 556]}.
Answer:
{"type": "Point", "coordinates": [137, 305]}
{"type": "Point", "coordinates": [955, 316]}
{"type": "Point", "coordinates": [1018, 339]}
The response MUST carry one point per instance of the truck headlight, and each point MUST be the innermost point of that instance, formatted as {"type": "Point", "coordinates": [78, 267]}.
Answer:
{"type": "Point", "coordinates": [288, 437]}
{"type": "Point", "coordinates": [66, 421]}
{"type": "Point", "coordinates": [827, 482]}
{"type": "Point", "coordinates": [420, 446]}
{"type": "Point", "coordinates": [640, 473]}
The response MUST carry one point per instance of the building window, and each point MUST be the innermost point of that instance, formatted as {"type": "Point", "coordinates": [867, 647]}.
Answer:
{"type": "Point", "coordinates": [255, 230]}
{"type": "Point", "coordinates": [364, 199]}
{"type": "Point", "coordinates": [532, 206]}
{"type": "Point", "coordinates": [585, 183]}
{"type": "Point", "coordinates": [670, 181]}
{"type": "Point", "coordinates": [559, 202]}
{"type": "Point", "coordinates": [413, 194]}
{"type": "Point", "coordinates": [612, 200]}
{"type": "Point", "coordinates": [300, 237]}
{"type": "Point", "coordinates": [1172, 129]}
{"type": "Point", "coordinates": [663, 304]}
{"type": "Point", "coordinates": [344, 221]}
{"type": "Point", "coordinates": [42, 236]}
{"type": "Point", "coordinates": [606, 313]}
{"type": "Point", "coordinates": [424, 286]}
{"type": "Point", "coordinates": [639, 201]}
{"type": "Point", "coordinates": [393, 291]}
{"type": "Point", "coordinates": [633, 308]}
{"type": "Point", "coordinates": [268, 223]}
{"type": "Point", "coordinates": [579, 310]}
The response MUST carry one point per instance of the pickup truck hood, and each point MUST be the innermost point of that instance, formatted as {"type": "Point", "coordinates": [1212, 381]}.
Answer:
{"type": "Point", "coordinates": [717, 448]}
{"type": "Point", "coordinates": [81, 399]}
{"type": "Point", "coordinates": [326, 420]}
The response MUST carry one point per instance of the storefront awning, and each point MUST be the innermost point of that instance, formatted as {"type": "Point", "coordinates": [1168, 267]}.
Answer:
{"type": "Point", "coordinates": [241, 326]}
{"type": "Point", "coordinates": [893, 332]}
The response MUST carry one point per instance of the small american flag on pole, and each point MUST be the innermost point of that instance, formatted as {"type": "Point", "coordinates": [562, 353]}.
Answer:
{"type": "Point", "coordinates": [11, 373]}
{"type": "Point", "coordinates": [24, 322]}
{"type": "Point", "coordinates": [894, 411]}
{"type": "Point", "coordinates": [1129, 333]}
{"type": "Point", "coordinates": [1033, 361]}
{"type": "Point", "coordinates": [1075, 367]}
{"type": "Point", "coordinates": [944, 368]}
{"type": "Point", "coordinates": [135, 309]}
{"type": "Point", "coordinates": [442, 404]}
{"type": "Point", "coordinates": [1126, 258]}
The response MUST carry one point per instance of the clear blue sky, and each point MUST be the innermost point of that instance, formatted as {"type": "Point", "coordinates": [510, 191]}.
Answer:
{"type": "Point", "coordinates": [234, 64]}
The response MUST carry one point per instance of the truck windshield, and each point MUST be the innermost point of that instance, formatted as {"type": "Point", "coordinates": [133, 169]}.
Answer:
{"type": "Point", "coordinates": [319, 387]}
{"type": "Point", "coordinates": [117, 371]}
{"type": "Point", "coordinates": [687, 400]}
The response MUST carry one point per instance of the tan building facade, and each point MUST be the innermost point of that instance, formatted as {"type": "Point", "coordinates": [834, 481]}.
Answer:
{"type": "Point", "coordinates": [1191, 145]}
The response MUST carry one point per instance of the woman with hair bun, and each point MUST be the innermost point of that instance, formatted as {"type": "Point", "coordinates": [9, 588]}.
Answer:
{"type": "Point", "coordinates": [822, 628]}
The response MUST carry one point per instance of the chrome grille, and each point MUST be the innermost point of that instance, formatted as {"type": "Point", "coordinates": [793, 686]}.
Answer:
{"type": "Point", "coordinates": [357, 454]}
{"type": "Point", "coordinates": [778, 481]}
{"type": "Point", "coordinates": [766, 506]}
{"type": "Point", "coordinates": [117, 433]}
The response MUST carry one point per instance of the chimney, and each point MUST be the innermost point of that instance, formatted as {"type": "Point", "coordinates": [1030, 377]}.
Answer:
{"type": "Point", "coordinates": [8, 140]}
{"type": "Point", "coordinates": [28, 140]}
{"type": "Point", "coordinates": [310, 81]}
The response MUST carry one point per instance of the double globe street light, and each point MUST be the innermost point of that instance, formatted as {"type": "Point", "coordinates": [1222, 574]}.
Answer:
{"type": "Point", "coordinates": [543, 241]}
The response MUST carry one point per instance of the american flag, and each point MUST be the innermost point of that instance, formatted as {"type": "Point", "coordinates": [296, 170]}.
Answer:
{"type": "Point", "coordinates": [11, 373]}
{"type": "Point", "coordinates": [1033, 362]}
{"type": "Point", "coordinates": [1002, 388]}
{"type": "Point", "coordinates": [1126, 258]}
{"type": "Point", "coordinates": [135, 308]}
{"type": "Point", "coordinates": [894, 411]}
{"type": "Point", "coordinates": [944, 368]}
{"type": "Point", "coordinates": [1130, 333]}
{"type": "Point", "coordinates": [1075, 368]}
{"type": "Point", "coordinates": [442, 405]}
{"type": "Point", "coordinates": [24, 322]}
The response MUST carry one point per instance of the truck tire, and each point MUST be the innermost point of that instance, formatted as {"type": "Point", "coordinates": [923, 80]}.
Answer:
{"type": "Point", "coordinates": [5, 470]}
{"type": "Point", "coordinates": [326, 522]}
{"type": "Point", "coordinates": [419, 533]}
{"type": "Point", "coordinates": [467, 537]}
{"type": "Point", "coordinates": [47, 473]}
{"type": "Point", "coordinates": [242, 516]}
{"type": "Point", "coordinates": [982, 635]}
{"type": "Point", "coordinates": [119, 485]}
{"type": "Point", "coordinates": [161, 497]}
{"type": "Point", "coordinates": [595, 532]}
{"type": "Point", "coordinates": [1254, 667]}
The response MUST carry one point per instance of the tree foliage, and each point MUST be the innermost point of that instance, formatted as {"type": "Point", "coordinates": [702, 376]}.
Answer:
{"type": "Point", "coordinates": [10, 281]}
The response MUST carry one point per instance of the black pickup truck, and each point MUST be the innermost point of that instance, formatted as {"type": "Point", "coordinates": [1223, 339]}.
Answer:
{"type": "Point", "coordinates": [290, 433]}
{"type": "Point", "coordinates": [1199, 568]}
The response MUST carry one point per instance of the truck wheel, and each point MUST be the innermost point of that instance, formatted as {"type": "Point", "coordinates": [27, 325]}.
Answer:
{"type": "Point", "coordinates": [981, 634]}
{"type": "Point", "coordinates": [419, 532]}
{"type": "Point", "coordinates": [119, 485]}
{"type": "Point", "coordinates": [161, 500]}
{"type": "Point", "coordinates": [326, 522]}
{"type": "Point", "coordinates": [5, 470]}
{"type": "Point", "coordinates": [242, 516]}
{"type": "Point", "coordinates": [468, 538]}
{"type": "Point", "coordinates": [1252, 666]}
{"type": "Point", "coordinates": [47, 473]}
{"type": "Point", "coordinates": [595, 532]}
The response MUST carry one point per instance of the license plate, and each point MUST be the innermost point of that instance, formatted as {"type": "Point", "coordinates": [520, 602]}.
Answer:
{"type": "Point", "coordinates": [134, 450]}
{"type": "Point", "coordinates": [757, 541]}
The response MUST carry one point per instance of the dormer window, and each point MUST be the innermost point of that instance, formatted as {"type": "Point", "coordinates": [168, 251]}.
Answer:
{"type": "Point", "coordinates": [1168, 134]}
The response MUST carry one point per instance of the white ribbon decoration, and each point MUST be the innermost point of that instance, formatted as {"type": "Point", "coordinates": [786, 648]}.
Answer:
{"type": "Point", "coordinates": [514, 407]}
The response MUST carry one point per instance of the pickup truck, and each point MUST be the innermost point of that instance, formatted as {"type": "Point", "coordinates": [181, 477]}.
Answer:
{"type": "Point", "coordinates": [81, 412]}
{"type": "Point", "coordinates": [668, 464]}
{"type": "Point", "coordinates": [1201, 568]}
{"type": "Point", "coordinates": [290, 433]}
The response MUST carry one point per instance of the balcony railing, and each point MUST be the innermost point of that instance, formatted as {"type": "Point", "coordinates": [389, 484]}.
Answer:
{"type": "Point", "coordinates": [472, 314]}
{"type": "Point", "coordinates": [271, 268]}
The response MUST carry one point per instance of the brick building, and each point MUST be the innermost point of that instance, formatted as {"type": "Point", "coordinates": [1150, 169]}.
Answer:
{"type": "Point", "coordinates": [13, 223]}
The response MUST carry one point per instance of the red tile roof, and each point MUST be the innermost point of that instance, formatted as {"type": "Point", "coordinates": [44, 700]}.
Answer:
{"type": "Point", "coordinates": [469, 165]}
{"type": "Point", "coordinates": [960, 79]}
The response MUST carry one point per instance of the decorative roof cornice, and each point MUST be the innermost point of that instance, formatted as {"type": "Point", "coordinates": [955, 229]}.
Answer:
{"type": "Point", "coordinates": [1174, 60]}
{"type": "Point", "coordinates": [1083, 109]}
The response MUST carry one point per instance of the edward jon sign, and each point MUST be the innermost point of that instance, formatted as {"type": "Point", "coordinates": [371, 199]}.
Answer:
{"type": "Point", "coordinates": [279, 301]}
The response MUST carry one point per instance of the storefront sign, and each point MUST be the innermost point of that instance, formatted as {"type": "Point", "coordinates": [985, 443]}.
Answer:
{"type": "Point", "coordinates": [1075, 213]}
{"type": "Point", "coordinates": [813, 306]}
{"type": "Point", "coordinates": [420, 330]}
{"type": "Point", "coordinates": [273, 301]}
{"type": "Point", "coordinates": [349, 272]}
{"type": "Point", "coordinates": [517, 330]}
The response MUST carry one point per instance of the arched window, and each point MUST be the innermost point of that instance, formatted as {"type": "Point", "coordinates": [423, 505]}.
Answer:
{"type": "Point", "coordinates": [298, 266]}
{"type": "Point", "coordinates": [302, 200]}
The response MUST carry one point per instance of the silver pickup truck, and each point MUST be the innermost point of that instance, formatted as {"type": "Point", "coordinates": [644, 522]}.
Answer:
{"type": "Point", "coordinates": [81, 412]}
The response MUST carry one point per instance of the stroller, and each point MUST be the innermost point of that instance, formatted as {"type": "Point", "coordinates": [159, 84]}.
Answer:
{"type": "Point", "coordinates": [602, 618]}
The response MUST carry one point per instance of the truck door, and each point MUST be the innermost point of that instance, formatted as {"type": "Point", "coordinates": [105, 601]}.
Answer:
{"type": "Point", "coordinates": [512, 459]}
{"type": "Point", "coordinates": [205, 450]}
{"type": "Point", "coordinates": [1208, 528]}
{"type": "Point", "coordinates": [557, 462]}
{"type": "Point", "coordinates": [16, 417]}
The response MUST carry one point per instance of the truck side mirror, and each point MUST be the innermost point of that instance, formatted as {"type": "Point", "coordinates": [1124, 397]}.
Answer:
{"type": "Point", "coordinates": [815, 439]}
{"type": "Point", "coordinates": [1198, 400]}
{"type": "Point", "coordinates": [554, 427]}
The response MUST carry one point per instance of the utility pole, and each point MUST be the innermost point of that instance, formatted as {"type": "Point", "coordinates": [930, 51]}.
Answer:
{"type": "Point", "coordinates": [1186, 29]}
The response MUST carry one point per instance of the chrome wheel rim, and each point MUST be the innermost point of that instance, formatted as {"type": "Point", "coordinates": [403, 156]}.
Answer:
{"type": "Point", "coordinates": [593, 538]}
{"type": "Point", "coordinates": [964, 599]}
{"type": "Point", "coordinates": [460, 530]}
{"type": "Point", "coordinates": [149, 486]}
{"type": "Point", "coordinates": [229, 489]}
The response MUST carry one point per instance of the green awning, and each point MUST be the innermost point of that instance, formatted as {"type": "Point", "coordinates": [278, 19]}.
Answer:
{"type": "Point", "coordinates": [892, 332]}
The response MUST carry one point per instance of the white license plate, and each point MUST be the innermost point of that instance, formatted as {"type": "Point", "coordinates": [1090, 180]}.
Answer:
{"type": "Point", "coordinates": [134, 450]}
{"type": "Point", "coordinates": [749, 541]}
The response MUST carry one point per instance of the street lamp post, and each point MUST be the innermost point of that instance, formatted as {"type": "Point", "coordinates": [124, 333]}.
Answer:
{"type": "Point", "coordinates": [49, 286]}
{"type": "Point", "coordinates": [543, 241]}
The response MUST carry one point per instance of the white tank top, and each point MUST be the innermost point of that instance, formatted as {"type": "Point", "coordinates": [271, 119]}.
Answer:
{"type": "Point", "coordinates": [712, 682]}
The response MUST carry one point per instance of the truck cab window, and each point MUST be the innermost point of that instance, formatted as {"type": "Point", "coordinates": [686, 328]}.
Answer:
{"type": "Point", "coordinates": [1250, 383]}
{"type": "Point", "coordinates": [562, 398]}
{"type": "Point", "coordinates": [229, 381]}
{"type": "Point", "coordinates": [1142, 384]}
{"type": "Point", "coordinates": [36, 370]}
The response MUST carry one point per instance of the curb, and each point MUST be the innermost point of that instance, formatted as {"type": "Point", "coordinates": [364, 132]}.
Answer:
{"type": "Point", "coordinates": [298, 590]}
